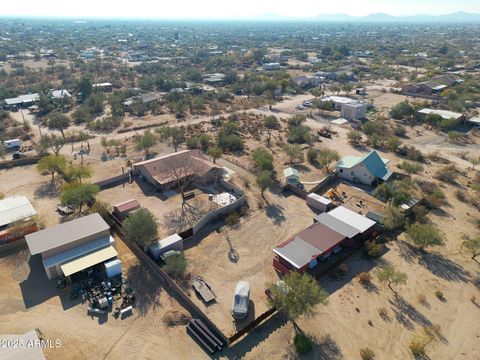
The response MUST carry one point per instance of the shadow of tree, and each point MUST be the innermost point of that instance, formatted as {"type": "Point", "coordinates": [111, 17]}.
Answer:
{"type": "Point", "coordinates": [406, 314]}
{"type": "Point", "coordinates": [147, 288]}
{"type": "Point", "coordinates": [326, 348]}
{"type": "Point", "coordinates": [275, 212]}
{"type": "Point", "coordinates": [442, 267]}
{"type": "Point", "coordinates": [47, 190]}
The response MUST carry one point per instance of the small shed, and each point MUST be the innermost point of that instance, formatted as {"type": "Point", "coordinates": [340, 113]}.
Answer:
{"type": "Point", "coordinates": [123, 209]}
{"type": "Point", "coordinates": [292, 176]}
{"type": "Point", "coordinates": [172, 242]}
{"type": "Point", "coordinates": [113, 268]}
{"type": "Point", "coordinates": [319, 202]}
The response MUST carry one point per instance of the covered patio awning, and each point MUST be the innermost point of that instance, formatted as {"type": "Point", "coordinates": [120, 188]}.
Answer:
{"type": "Point", "coordinates": [88, 260]}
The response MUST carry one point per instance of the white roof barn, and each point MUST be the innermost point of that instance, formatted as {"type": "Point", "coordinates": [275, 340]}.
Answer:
{"type": "Point", "coordinates": [15, 208]}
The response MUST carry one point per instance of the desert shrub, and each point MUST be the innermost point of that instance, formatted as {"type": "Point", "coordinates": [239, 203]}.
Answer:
{"type": "Point", "coordinates": [417, 347]}
{"type": "Point", "coordinates": [312, 156]}
{"type": "Point", "coordinates": [232, 219]}
{"type": "Point", "coordinates": [439, 294]}
{"type": "Point", "coordinates": [422, 299]}
{"type": "Point", "coordinates": [374, 250]}
{"type": "Point", "coordinates": [383, 312]}
{"type": "Point", "coordinates": [447, 174]}
{"type": "Point", "coordinates": [461, 195]}
{"type": "Point", "coordinates": [108, 123]}
{"type": "Point", "coordinates": [367, 354]}
{"type": "Point", "coordinates": [365, 278]}
{"type": "Point", "coordinates": [343, 269]}
{"type": "Point", "coordinates": [302, 343]}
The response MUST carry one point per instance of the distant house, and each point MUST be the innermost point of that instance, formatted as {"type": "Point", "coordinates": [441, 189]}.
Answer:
{"type": "Point", "coordinates": [368, 170]}
{"type": "Point", "coordinates": [163, 172]}
{"type": "Point", "coordinates": [444, 114]}
{"type": "Point", "coordinates": [21, 101]}
{"type": "Point", "coordinates": [60, 94]}
{"type": "Point", "coordinates": [431, 87]}
{"type": "Point", "coordinates": [306, 82]}
{"type": "Point", "coordinates": [215, 79]}
{"type": "Point", "coordinates": [291, 175]}
{"type": "Point", "coordinates": [271, 66]}
{"type": "Point", "coordinates": [354, 110]}
{"type": "Point", "coordinates": [104, 87]}
{"type": "Point", "coordinates": [144, 98]}
{"type": "Point", "coordinates": [71, 247]}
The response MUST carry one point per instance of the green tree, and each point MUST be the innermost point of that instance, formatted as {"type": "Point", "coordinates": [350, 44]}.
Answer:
{"type": "Point", "coordinates": [354, 137]}
{"type": "Point", "coordinates": [270, 123]}
{"type": "Point", "coordinates": [326, 157]}
{"type": "Point", "coordinates": [215, 153]}
{"type": "Point", "coordinates": [394, 218]}
{"type": "Point", "coordinates": [176, 134]}
{"type": "Point", "coordinates": [84, 87]}
{"type": "Point", "coordinates": [144, 142]}
{"type": "Point", "coordinates": [141, 227]}
{"type": "Point", "coordinates": [299, 296]}
{"type": "Point", "coordinates": [53, 164]}
{"type": "Point", "coordinates": [262, 159]}
{"type": "Point", "coordinates": [393, 143]}
{"type": "Point", "coordinates": [472, 245]}
{"type": "Point", "coordinates": [402, 110]}
{"type": "Point", "coordinates": [411, 167]}
{"type": "Point", "coordinates": [77, 194]}
{"type": "Point", "coordinates": [176, 265]}
{"type": "Point", "coordinates": [59, 122]}
{"type": "Point", "coordinates": [294, 152]}
{"type": "Point", "coordinates": [389, 275]}
{"type": "Point", "coordinates": [424, 235]}
{"type": "Point", "coordinates": [77, 173]}
{"type": "Point", "coordinates": [264, 181]}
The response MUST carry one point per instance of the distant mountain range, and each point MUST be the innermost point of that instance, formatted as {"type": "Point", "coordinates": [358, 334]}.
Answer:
{"type": "Point", "coordinates": [458, 17]}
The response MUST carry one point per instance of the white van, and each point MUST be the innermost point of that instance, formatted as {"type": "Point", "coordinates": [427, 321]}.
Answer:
{"type": "Point", "coordinates": [12, 144]}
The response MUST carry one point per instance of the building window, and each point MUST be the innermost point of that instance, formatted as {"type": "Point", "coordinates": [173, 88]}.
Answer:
{"type": "Point", "coordinates": [341, 170]}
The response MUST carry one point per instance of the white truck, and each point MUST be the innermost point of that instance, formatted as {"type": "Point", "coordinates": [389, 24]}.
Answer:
{"type": "Point", "coordinates": [12, 144]}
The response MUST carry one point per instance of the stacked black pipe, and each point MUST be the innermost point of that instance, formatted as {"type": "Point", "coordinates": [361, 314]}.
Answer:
{"type": "Point", "coordinates": [204, 336]}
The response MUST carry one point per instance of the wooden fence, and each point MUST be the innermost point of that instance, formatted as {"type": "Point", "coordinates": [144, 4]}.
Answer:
{"type": "Point", "coordinates": [252, 325]}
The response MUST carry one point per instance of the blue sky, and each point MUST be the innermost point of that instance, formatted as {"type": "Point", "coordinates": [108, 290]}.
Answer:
{"type": "Point", "coordinates": [188, 9]}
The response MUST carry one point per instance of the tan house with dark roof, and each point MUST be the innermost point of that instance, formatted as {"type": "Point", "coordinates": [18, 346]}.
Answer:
{"type": "Point", "coordinates": [165, 171]}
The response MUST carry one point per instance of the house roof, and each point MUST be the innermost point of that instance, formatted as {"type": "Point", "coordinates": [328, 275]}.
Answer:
{"type": "Point", "coordinates": [290, 172]}
{"type": "Point", "coordinates": [128, 205]}
{"type": "Point", "coordinates": [372, 161]}
{"type": "Point", "coordinates": [189, 161]}
{"type": "Point", "coordinates": [357, 221]}
{"type": "Point", "coordinates": [337, 225]}
{"type": "Point", "coordinates": [53, 237]}
{"type": "Point", "coordinates": [445, 114]}
{"type": "Point", "coordinates": [308, 244]}
{"type": "Point", "coordinates": [15, 208]}
{"type": "Point", "coordinates": [59, 94]}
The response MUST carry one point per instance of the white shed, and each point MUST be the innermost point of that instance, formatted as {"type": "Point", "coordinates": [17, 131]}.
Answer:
{"type": "Point", "coordinates": [172, 242]}
{"type": "Point", "coordinates": [113, 268]}
{"type": "Point", "coordinates": [318, 202]}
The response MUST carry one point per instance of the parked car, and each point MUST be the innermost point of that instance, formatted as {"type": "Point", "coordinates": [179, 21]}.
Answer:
{"type": "Point", "coordinates": [299, 107]}
{"type": "Point", "coordinates": [241, 300]}
{"type": "Point", "coordinates": [307, 103]}
{"type": "Point", "coordinates": [17, 155]}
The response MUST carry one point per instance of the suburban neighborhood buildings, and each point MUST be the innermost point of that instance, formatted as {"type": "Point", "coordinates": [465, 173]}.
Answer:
{"type": "Point", "coordinates": [431, 87]}
{"type": "Point", "coordinates": [368, 170]}
{"type": "Point", "coordinates": [69, 248]}
{"type": "Point", "coordinates": [350, 109]}
{"type": "Point", "coordinates": [444, 114]}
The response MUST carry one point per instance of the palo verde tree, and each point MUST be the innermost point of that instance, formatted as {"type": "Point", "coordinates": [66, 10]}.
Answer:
{"type": "Point", "coordinates": [141, 227]}
{"type": "Point", "coordinates": [271, 123]}
{"type": "Point", "coordinates": [176, 134]}
{"type": "Point", "coordinates": [424, 235]}
{"type": "Point", "coordinates": [145, 142]}
{"type": "Point", "coordinates": [78, 195]}
{"type": "Point", "coordinates": [389, 275]}
{"type": "Point", "coordinates": [215, 153]}
{"type": "Point", "coordinates": [59, 122]}
{"type": "Point", "coordinates": [326, 157]}
{"type": "Point", "coordinates": [471, 245]}
{"type": "Point", "coordinates": [264, 181]}
{"type": "Point", "coordinates": [53, 164]}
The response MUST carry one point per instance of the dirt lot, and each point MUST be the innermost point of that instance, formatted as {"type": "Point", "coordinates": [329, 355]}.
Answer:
{"type": "Point", "coordinates": [253, 241]}
{"type": "Point", "coordinates": [30, 301]}
{"type": "Point", "coordinates": [168, 211]}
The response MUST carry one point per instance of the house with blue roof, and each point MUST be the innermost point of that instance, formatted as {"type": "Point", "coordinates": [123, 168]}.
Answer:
{"type": "Point", "coordinates": [369, 169]}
